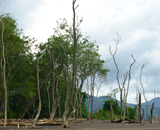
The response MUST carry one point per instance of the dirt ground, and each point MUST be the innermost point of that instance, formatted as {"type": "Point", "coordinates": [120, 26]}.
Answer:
{"type": "Point", "coordinates": [95, 126]}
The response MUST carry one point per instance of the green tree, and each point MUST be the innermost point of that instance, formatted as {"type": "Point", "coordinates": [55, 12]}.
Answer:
{"type": "Point", "coordinates": [106, 105]}
{"type": "Point", "coordinates": [132, 112]}
{"type": "Point", "coordinates": [16, 49]}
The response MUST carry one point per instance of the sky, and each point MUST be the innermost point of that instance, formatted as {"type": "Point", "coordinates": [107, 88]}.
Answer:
{"type": "Point", "coordinates": [137, 22]}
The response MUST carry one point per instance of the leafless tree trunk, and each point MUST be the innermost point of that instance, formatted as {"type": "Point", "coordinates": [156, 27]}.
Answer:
{"type": "Point", "coordinates": [54, 101]}
{"type": "Point", "coordinates": [39, 97]}
{"type": "Point", "coordinates": [88, 116]}
{"type": "Point", "coordinates": [64, 117]}
{"type": "Point", "coordinates": [1, 79]}
{"type": "Point", "coordinates": [142, 120]}
{"type": "Point", "coordinates": [113, 56]}
{"type": "Point", "coordinates": [4, 77]}
{"type": "Point", "coordinates": [140, 108]}
{"type": "Point", "coordinates": [124, 111]}
{"type": "Point", "coordinates": [75, 98]}
{"type": "Point", "coordinates": [74, 48]}
{"type": "Point", "coordinates": [80, 111]}
{"type": "Point", "coordinates": [126, 93]}
{"type": "Point", "coordinates": [121, 88]}
{"type": "Point", "coordinates": [92, 95]}
{"type": "Point", "coordinates": [154, 103]}
{"type": "Point", "coordinates": [125, 77]}
{"type": "Point", "coordinates": [152, 113]}
{"type": "Point", "coordinates": [144, 89]}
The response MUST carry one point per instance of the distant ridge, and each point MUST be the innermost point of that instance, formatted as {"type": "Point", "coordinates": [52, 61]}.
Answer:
{"type": "Point", "coordinates": [101, 100]}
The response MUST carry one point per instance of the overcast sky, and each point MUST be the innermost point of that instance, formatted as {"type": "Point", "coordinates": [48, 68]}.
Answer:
{"type": "Point", "coordinates": [136, 21]}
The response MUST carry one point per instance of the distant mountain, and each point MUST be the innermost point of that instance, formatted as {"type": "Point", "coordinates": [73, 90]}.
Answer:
{"type": "Point", "coordinates": [102, 99]}
{"type": "Point", "coordinates": [155, 100]}
{"type": "Point", "coordinates": [100, 102]}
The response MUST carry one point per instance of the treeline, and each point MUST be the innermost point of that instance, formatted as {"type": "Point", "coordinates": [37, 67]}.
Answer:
{"type": "Point", "coordinates": [59, 68]}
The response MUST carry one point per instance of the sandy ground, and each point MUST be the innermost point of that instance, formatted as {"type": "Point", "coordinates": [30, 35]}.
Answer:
{"type": "Point", "coordinates": [96, 126]}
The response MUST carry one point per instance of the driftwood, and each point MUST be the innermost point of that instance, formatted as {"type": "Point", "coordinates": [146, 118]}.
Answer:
{"type": "Point", "coordinates": [28, 122]}
{"type": "Point", "coordinates": [126, 120]}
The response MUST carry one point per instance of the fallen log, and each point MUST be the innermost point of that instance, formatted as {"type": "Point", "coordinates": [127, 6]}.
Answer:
{"type": "Point", "coordinates": [30, 124]}
{"type": "Point", "coordinates": [126, 121]}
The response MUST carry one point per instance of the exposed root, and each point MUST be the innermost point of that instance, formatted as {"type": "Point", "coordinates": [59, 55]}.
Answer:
{"type": "Point", "coordinates": [65, 126]}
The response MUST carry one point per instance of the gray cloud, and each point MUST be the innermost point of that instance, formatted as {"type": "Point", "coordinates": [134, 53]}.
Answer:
{"type": "Point", "coordinates": [137, 22]}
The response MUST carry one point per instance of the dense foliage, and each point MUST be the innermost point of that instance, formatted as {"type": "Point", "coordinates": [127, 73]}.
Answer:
{"type": "Point", "coordinates": [55, 63]}
{"type": "Point", "coordinates": [130, 112]}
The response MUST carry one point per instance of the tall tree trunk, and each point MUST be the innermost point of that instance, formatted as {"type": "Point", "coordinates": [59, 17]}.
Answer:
{"type": "Point", "coordinates": [80, 112]}
{"type": "Point", "coordinates": [92, 99]}
{"type": "Point", "coordinates": [64, 118]}
{"type": "Point", "coordinates": [152, 109]}
{"type": "Point", "coordinates": [117, 109]}
{"type": "Point", "coordinates": [142, 121]}
{"type": "Point", "coordinates": [67, 101]}
{"type": "Point", "coordinates": [74, 47]}
{"type": "Point", "coordinates": [39, 97]}
{"type": "Point", "coordinates": [88, 115]}
{"type": "Point", "coordinates": [121, 103]}
{"type": "Point", "coordinates": [144, 89]}
{"type": "Point", "coordinates": [140, 109]}
{"type": "Point", "coordinates": [124, 112]}
{"type": "Point", "coordinates": [53, 88]}
{"type": "Point", "coordinates": [92, 82]}
{"type": "Point", "coordinates": [75, 99]}
{"type": "Point", "coordinates": [4, 77]}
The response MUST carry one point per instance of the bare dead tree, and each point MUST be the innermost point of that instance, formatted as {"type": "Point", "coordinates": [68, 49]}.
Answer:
{"type": "Point", "coordinates": [140, 108]}
{"type": "Point", "coordinates": [92, 94]}
{"type": "Point", "coordinates": [88, 115]}
{"type": "Point", "coordinates": [154, 103]}
{"type": "Point", "coordinates": [121, 88]}
{"type": "Point", "coordinates": [113, 56]}
{"type": "Point", "coordinates": [142, 120]}
{"type": "Point", "coordinates": [126, 94]}
{"type": "Point", "coordinates": [124, 97]}
{"type": "Point", "coordinates": [4, 75]}
{"type": "Point", "coordinates": [152, 109]}
{"type": "Point", "coordinates": [143, 87]}
{"type": "Point", "coordinates": [39, 97]}
{"type": "Point", "coordinates": [111, 112]}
